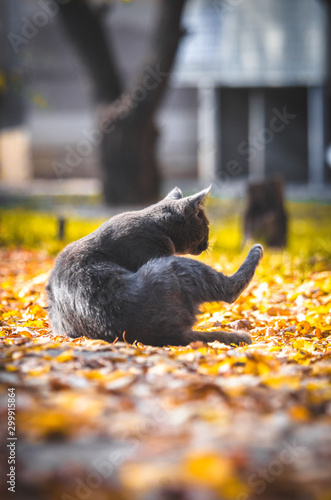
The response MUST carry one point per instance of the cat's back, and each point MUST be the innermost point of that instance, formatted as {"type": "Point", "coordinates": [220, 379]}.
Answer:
{"type": "Point", "coordinates": [74, 256]}
{"type": "Point", "coordinates": [127, 240]}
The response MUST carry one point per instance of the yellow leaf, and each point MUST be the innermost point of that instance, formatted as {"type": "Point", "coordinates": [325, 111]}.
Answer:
{"type": "Point", "coordinates": [281, 381]}
{"type": "Point", "coordinates": [42, 370]}
{"type": "Point", "coordinates": [303, 345]}
{"type": "Point", "coordinates": [25, 333]}
{"type": "Point", "coordinates": [11, 368]}
{"type": "Point", "coordinates": [209, 468]}
{"type": "Point", "coordinates": [304, 327]}
{"type": "Point", "coordinates": [65, 356]}
{"type": "Point", "coordinates": [275, 348]}
{"type": "Point", "coordinates": [300, 413]}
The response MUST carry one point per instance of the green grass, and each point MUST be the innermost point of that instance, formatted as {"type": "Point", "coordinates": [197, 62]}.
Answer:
{"type": "Point", "coordinates": [37, 230]}
{"type": "Point", "coordinates": [309, 229]}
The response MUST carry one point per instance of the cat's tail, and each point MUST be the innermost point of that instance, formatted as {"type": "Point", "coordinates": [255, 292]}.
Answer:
{"type": "Point", "coordinates": [228, 338]}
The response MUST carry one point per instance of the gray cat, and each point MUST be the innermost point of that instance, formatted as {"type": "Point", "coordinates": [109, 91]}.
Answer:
{"type": "Point", "coordinates": [127, 277]}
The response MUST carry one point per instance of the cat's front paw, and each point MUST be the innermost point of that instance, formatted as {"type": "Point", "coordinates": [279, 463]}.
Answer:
{"type": "Point", "coordinates": [239, 338]}
{"type": "Point", "coordinates": [256, 252]}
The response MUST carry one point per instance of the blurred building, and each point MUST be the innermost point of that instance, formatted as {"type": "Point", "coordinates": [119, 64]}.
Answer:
{"type": "Point", "coordinates": [247, 99]}
{"type": "Point", "coordinates": [260, 69]}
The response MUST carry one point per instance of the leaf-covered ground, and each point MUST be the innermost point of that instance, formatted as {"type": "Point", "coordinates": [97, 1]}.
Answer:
{"type": "Point", "coordinates": [100, 421]}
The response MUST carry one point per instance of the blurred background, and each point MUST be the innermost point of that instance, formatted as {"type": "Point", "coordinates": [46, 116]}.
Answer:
{"type": "Point", "coordinates": [106, 105]}
{"type": "Point", "coordinates": [124, 99]}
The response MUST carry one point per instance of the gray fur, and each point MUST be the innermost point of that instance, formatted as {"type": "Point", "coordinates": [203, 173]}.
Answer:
{"type": "Point", "coordinates": [127, 277]}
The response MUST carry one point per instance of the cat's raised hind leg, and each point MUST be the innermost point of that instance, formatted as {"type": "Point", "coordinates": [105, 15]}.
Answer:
{"type": "Point", "coordinates": [241, 279]}
{"type": "Point", "coordinates": [163, 299]}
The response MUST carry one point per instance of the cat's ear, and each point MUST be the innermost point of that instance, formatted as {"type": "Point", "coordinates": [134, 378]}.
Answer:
{"type": "Point", "coordinates": [175, 194]}
{"type": "Point", "coordinates": [196, 200]}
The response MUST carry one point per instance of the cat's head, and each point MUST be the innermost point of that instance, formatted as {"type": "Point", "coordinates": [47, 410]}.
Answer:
{"type": "Point", "coordinates": [189, 223]}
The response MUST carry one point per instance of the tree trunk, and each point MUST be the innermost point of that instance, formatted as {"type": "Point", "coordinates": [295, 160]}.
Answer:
{"type": "Point", "coordinates": [265, 218]}
{"type": "Point", "coordinates": [129, 135]}
{"type": "Point", "coordinates": [131, 173]}
{"type": "Point", "coordinates": [130, 169]}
